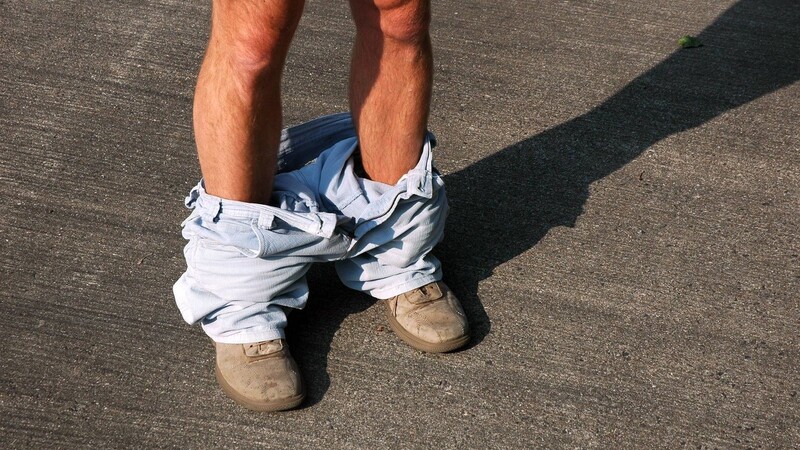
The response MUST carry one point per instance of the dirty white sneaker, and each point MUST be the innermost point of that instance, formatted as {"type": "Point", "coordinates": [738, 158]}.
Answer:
{"type": "Point", "coordinates": [429, 318]}
{"type": "Point", "coordinates": [261, 376]}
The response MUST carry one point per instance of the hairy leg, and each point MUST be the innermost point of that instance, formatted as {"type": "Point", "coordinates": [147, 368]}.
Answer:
{"type": "Point", "coordinates": [237, 106]}
{"type": "Point", "coordinates": [390, 84]}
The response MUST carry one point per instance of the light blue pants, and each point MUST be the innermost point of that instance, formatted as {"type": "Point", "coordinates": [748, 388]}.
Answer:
{"type": "Point", "coordinates": [247, 262]}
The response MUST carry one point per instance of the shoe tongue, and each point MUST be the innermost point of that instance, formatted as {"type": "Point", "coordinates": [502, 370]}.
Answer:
{"type": "Point", "coordinates": [424, 294]}
{"type": "Point", "coordinates": [263, 348]}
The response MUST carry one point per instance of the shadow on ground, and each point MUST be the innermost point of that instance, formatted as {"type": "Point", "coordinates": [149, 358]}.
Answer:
{"type": "Point", "coordinates": [522, 191]}
{"type": "Point", "coordinates": [312, 329]}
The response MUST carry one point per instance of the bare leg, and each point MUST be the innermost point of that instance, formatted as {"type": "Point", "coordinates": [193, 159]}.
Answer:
{"type": "Point", "coordinates": [237, 122]}
{"type": "Point", "coordinates": [390, 84]}
{"type": "Point", "coordinates": [237, 106]}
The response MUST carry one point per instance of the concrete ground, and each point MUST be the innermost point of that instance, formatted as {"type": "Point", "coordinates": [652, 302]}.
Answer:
{"type": "Point", "coordinates": [624, 232]}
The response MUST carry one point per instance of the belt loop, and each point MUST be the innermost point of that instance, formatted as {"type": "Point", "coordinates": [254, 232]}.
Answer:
{"type": "Point", "coordinates": [210, 212]}
{"type": "Point", "coordinates": [216, 211]}
{"type": "Point", "coordinates": [429, 136]}
{"type": "Point", "coordinates": [420, 179]}
{"type": "Point", "coordinates": [327, 226]}
{"type": "Point", "coordinates": [255, 225]}
{"type": "Point", "coordinates": [191, 200]}
{"type": "Point", "coordinates": [266, 220]}
{"type": "Point", "coordinates": [427, 149]}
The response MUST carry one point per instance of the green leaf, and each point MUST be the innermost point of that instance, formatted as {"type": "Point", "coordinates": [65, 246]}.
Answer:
{"type": "Point", "coordinates": [689, 42]}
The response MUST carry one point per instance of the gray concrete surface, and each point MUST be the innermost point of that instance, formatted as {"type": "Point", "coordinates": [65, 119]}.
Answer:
{"type": "Point", "coordinates": [624, 233]}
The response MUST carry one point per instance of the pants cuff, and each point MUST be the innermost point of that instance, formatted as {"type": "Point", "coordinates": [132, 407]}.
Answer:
{"type": "Point", "coordinates": [390, 292]}
{"type": "Point", "coordinates": [248, 336]}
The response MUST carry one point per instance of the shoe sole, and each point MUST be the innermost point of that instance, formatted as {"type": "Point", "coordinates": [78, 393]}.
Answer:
{"type": "Point", "coordinates": [278, 405]}
{"type": "Point", "coordinates": [419, 344]}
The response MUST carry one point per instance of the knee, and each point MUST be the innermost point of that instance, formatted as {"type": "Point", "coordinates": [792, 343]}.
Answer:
{"type": "Point", "coordinates": [255, 36]}
{"type": "Point", "coordinates": [405, 21]}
